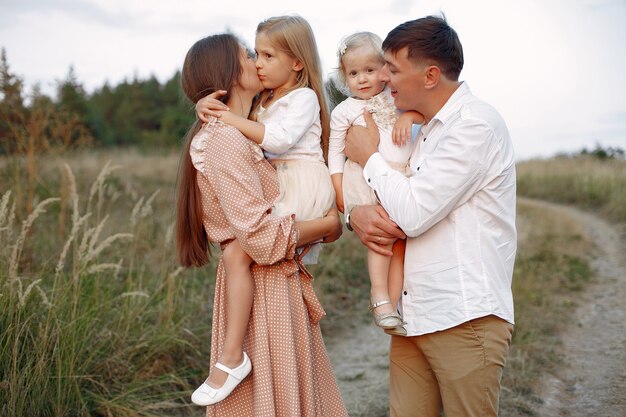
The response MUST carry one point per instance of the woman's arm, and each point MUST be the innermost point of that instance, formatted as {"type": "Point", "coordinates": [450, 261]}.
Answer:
{"type": "Point", "coordinates": [327, 229]}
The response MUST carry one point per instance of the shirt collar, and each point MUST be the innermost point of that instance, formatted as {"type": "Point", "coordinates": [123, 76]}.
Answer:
{"type": "Point", "coordinates": [454, 102]}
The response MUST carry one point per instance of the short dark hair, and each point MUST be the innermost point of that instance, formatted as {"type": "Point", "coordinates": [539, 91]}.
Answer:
{"type": "Point", "coordinates": [429, 38]}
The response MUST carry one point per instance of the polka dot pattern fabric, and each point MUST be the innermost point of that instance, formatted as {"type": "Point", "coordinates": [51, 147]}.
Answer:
{"type": "Point", "coordinates": [291, 372]}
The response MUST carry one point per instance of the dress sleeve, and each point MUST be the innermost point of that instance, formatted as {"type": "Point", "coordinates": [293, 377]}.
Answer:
{"type": "Point", "coordinates": [231, 167]}
{"type": "Point", "coordinates": [337, 141]}
{"type": "Point", "coordinates": [302, 111]}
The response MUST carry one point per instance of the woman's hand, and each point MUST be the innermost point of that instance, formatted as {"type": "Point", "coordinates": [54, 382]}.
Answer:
{"type": "Point", "coordinates": [211, 106]}
{"type": "Point", "coordinates": [335, 226]}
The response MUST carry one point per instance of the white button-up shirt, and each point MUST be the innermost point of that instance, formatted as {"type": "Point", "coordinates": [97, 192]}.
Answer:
{"type": "Point", "coordinates": [458, 211]}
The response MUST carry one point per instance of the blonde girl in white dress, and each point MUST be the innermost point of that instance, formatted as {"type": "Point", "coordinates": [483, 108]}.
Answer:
{"type": "Point", "coordinates": [360, 60]}
{"type": "Point", "coordinates": [290, 119]}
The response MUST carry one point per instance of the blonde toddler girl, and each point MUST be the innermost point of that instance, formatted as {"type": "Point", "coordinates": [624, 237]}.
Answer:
{"type": "Point", "coordinates": [360, 60]}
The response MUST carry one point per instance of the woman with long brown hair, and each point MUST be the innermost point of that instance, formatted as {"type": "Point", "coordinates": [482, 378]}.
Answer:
{"type": "Point", "coordinates": [226, 193]}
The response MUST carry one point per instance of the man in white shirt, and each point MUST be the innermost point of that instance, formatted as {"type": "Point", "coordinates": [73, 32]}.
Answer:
{"type": "Point", "coordinates": [457, 211]}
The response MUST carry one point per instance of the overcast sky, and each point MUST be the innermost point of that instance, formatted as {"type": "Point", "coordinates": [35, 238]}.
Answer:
{"type": "Point", "coordinates": [554, 68]}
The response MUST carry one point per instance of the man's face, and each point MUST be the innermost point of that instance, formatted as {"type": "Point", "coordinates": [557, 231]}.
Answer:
{"type": "Point", "coordinates": [405, 79]}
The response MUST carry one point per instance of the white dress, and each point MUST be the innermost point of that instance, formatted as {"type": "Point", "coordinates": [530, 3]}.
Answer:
{"type": "Point", "coordinates": [348, 113]}
{"type": "Point", "coordinates": [292, 144]}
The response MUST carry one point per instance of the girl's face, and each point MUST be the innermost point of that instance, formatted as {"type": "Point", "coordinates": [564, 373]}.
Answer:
{"type": "Point", "coordinates": [248, 80]}
{"type": "Point", "coordinates": [275, 68]}
{"type": "Point", "coordinates": [362, 71]}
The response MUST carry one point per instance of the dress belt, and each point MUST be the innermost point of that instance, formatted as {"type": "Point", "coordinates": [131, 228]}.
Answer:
{"type": "Point", "coordinates": [313, 305]}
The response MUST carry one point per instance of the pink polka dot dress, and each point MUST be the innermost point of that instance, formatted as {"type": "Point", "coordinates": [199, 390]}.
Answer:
{"type": "Point", "coordinates": [291, 372]}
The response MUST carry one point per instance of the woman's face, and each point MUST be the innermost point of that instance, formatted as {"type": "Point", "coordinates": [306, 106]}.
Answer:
{"type": "Point", "coordinates": [249, 79]}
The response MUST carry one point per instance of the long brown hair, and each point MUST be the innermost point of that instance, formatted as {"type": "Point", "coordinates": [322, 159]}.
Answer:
{"type": "Point", "coordinates": [294, 36]}
{"type": "Point", "coordinates": [211, 64]}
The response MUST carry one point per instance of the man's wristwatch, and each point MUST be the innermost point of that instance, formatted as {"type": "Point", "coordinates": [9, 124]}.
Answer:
{"type": "Point", "coordinates": [348, 225]}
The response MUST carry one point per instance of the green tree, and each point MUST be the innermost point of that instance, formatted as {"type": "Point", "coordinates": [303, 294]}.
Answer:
{"type": "Point", "coordinates": [11, 103]}
{"type": "Point", "coordinates": [71, 95]}
{"type": "Point", "coordinates": [178, 114]}
{"type": "Point", "coordinates": [335, 93]}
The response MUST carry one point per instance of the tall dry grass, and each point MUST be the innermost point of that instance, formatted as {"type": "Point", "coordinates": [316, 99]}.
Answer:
{"type": "Point", "coordinates": [96, 317]}
{"type": "Point", "coordinates": [584, 181]}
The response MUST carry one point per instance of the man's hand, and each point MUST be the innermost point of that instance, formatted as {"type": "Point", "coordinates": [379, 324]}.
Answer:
{"type": "Point", "coordinates": [362, 142]}
{"type": "Point", "coordinates": [374, 227]}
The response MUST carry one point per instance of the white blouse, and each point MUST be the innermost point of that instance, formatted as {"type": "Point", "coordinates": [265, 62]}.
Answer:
{"type": "Point", "coordinates": [350, 113]}
{"type": "Point", "coordinates": [458, 211]}
{"type": "Point", "coordinates": [293, 128]}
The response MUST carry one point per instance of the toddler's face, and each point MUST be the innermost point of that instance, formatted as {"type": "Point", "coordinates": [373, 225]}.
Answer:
{"type": "Point", "coordinates": [362, 72]}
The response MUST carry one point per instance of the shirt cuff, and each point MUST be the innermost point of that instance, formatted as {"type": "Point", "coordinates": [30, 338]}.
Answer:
{"type": "Point", "coordinates": [375, 167]}
{"type": "Point", "coordinates": [273, 141]}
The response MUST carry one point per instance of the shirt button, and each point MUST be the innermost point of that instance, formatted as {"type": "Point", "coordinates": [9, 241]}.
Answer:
{"type": "Point", "coordinates": [418, 168]}
{"type": "Point", "coordinates": [424, 139]}
{"type": "Point", "coordinates": [405, 293]}
{"type": "Point", "coordinates": [369, 180]}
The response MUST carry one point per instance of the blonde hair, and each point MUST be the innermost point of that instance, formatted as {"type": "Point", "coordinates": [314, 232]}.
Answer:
{"type": "Point", "coordinates": [351, 43]}
{"type": "Point", "coordinates": [293, 35]}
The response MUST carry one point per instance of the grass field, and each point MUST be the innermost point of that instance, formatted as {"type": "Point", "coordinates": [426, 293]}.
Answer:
{"type": "Point", "coordinates": [593, 184]}
{"type": "Point", "coordinates": [97, 319]}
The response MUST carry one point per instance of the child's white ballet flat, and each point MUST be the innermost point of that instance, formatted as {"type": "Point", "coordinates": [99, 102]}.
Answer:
{"type": "Point", "coordinates": [206, 395]}
{"type": "Point", "coordinates": [385, 320]}
{"type": "Point", "coordinates": [396, 331]}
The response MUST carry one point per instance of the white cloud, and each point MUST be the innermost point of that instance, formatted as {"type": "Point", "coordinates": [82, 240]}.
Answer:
{"type": "Point", "coordinates": [553, 69]}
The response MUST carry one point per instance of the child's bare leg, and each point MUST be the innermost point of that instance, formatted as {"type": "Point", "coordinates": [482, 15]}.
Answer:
{"type": "Point", "coordinates": [239, 294]}
{"type": "Point", "coordinates": [396, 272]}
{"type": "Point", "coordinates": [378, 266]}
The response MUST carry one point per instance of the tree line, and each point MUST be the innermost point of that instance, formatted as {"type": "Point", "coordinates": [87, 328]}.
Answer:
{"type": "Point", "coordinates": [137, 112]}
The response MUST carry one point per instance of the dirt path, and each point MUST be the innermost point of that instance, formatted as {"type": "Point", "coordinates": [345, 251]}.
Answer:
{"type": "Point", "coordinates": [593, 383]}
{"type": "Point", "coordinates": [360, 360]}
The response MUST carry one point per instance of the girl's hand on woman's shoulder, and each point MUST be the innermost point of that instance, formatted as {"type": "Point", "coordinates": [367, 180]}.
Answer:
{"type": "Point", "coordinates": [211, 106]}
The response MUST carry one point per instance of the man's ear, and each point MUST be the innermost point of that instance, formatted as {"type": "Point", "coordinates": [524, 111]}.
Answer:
{"type": "Point", "coordinates": [432, 74]}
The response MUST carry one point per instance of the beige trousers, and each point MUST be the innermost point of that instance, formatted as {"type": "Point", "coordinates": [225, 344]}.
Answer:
{"type": "Point", "coordinates": [457, 370]}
